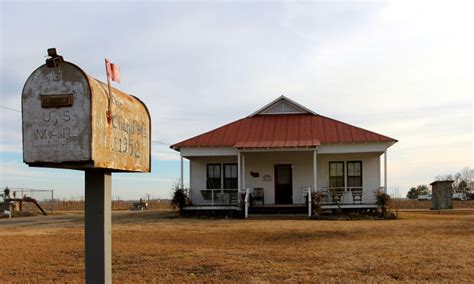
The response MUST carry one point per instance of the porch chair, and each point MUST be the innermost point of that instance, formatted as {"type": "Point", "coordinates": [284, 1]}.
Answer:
{"type": "Point", "coordinates": [336, 194]}
{"type": "Point", "coordinates": [222, 198]}
{"type": "Point", "coordinates": [234, 197]}
{"type": "Point", "coordinates": [258, 195]}
{"type": "Point", "coordinates": [206, 194]}
{"type": "Point", "coordinates": [356, 195]}
{"type": "Point", "coordinates": [325, 194]}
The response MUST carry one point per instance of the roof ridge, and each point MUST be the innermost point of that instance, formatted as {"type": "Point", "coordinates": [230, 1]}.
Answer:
{"type": "Point", "coordinates": [288, 100]}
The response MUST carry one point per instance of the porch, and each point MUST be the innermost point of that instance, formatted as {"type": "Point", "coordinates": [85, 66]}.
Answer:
{"type": "Point", "coordinates": [244, 179]}
{"type": "Point", "coordinates": [327, 196]}
{"type": "Point", "coordinates": [242, 202]}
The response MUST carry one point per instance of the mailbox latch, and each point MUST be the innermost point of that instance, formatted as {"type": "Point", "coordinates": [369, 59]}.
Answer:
{"type": "Point", "coordinates": [56, 101]}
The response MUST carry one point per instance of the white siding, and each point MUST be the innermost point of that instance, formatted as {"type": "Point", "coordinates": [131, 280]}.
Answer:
{"type": "Point", "coordinates": [282, 107]}
{"type": "Point", "coordinates": [353, 148]}
{"type": "Point", "coordinates": [264, 164]}
{"type": "Point", "coordinates": [199, 173]}
{"type": "Point", "coordinates": [370, 171]}
{"type": "Point", "coordinates": [208, 151]}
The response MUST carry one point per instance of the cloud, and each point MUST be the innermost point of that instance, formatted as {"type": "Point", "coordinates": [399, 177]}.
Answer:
{"type": "Point", "coordinates": [163, 153]}
{"type": "Point", "coordinates": [401, 68]}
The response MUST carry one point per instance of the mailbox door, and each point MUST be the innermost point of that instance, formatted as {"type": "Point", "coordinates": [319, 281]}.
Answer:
{"type": "Point", "coordinates": [123, 143]}
{"type": "Point", "coordinates": [56, 104]}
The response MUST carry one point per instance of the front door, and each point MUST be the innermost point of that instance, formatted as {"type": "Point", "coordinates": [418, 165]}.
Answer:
{"type": "Point", "coordinates": [283, 184]}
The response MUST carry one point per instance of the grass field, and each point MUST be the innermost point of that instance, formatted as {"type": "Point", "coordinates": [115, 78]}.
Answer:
{"type": "Point", "coordinates": [416, 204]}
{"type": "Point", "coordinates": [65, 205]}
{"type": "Point", "coordinates": [156, 246]}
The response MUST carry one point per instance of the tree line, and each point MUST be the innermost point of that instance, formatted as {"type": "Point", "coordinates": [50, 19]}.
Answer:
{"type": "Point", "coordinates": [462, 183]}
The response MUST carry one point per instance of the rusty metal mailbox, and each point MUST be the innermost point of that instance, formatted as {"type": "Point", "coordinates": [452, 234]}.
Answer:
{"type": "Point", "coordinates": [73, 121]}
{"type": "Point", "coordinates": [67, 123]}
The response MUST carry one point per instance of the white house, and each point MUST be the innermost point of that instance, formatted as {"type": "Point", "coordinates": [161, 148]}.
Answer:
{"type": "Point", "coordinates": [280, 153]}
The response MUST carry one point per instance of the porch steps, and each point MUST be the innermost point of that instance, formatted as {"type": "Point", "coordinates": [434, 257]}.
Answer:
{"type": "Point", "coordinates": [278, 210]}
{"type": "Point", "coordinates": [277, 217]}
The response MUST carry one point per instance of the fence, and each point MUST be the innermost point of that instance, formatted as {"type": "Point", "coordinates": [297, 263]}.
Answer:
{"type": "Point", "coordinates": [45, 198]}
{"type": "Point", "coordinates": [78, 205]}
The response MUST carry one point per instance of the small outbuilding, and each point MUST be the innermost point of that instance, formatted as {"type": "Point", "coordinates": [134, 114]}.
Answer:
{"type": "Point", "coordinates": [442, 195]}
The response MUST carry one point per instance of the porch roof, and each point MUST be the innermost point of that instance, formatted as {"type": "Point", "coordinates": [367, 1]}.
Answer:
{"type": "Point", "coordinates": [283, 130]}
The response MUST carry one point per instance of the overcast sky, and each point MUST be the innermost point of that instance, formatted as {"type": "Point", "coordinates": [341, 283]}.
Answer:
{"type": "Point", "coordinates": [403, 69]}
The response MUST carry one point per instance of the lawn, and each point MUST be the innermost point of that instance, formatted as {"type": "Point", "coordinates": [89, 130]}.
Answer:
{"type": "Point", "coordinates": [157, 246]}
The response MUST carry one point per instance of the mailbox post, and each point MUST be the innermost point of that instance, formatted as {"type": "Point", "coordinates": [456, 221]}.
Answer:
{"type": "Point", "coordinates": [98, 226]}
{"type": "Point", "coordinates": [66, 125]}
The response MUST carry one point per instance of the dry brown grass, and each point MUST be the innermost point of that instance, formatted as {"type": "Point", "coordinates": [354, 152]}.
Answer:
{"type": "Point", "coordinates": [156, 246]}
{"type": "Point", "coordinates": [154, 204]}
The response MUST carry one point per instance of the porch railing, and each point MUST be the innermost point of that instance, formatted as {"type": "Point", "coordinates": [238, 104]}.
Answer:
{"type": "Point", "coordinates": [235, 197]}
{"type": "Point", "coordinates": [349, 195]}
{"type": "Point", "coordinates": [217, 197]}
{"type": "Point", "coordinates": [246, 202]}
{"type": "Point", "coordinates": [307, 194]}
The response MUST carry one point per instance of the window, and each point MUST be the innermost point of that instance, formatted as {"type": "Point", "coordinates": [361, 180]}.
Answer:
{"type": "Point", "coordinates": [354, 174]}
{"type": "Point", "coordinates": [230, 176]}
{"type": "Point", "coordinates": [213, 176]}
{"type": "Point", "coordinates": [336, 174]}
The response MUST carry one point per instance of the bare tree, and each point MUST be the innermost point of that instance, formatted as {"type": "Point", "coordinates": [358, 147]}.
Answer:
{"type": "Point", "coordinates": [444, 177]}
{"type": "Point", "coordinates": [467, 175]}
{"type": "Point", "coordinates": [395, 193]}
{"type": "Point", "coordinates": [462, 181]}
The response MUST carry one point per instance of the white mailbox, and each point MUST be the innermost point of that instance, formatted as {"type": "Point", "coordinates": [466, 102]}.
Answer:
{"type": "Point", "coordinates": [73, 121]}
{"type": "Point", "coordinates": [66, 122]}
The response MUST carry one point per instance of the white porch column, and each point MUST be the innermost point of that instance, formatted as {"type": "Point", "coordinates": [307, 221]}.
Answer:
{"type": "Point", "coordinates": [385, 171]}
{"type": "Point", "coordinates": [345, 175]}
{"type": "Point", "coordinates": [239, 172]}
{"type": "Point", "coordinates": [315, 170]}
{"type": "Point", "coordinates": [189, 180]}
{"type": "Point", "coordinates": [243, 171]}
{"type": "Point", "coordinates": [181, 180]}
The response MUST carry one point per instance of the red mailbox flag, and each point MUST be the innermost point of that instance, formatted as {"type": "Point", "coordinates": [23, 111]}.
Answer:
{"type": "Point", "coordinates": [113, 71]}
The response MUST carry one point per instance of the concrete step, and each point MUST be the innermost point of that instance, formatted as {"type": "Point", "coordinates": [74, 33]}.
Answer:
{"type": "Point", "coordinates": [277, 217]}
{"type": "Point", "coordinates": [279, 210]}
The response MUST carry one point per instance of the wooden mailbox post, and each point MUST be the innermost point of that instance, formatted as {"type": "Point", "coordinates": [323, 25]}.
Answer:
{"type": "Point", "coordinates": [65, 125]}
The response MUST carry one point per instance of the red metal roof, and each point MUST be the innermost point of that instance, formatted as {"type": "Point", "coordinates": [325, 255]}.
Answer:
{"type": "Point", "coordinates": [283, 130]}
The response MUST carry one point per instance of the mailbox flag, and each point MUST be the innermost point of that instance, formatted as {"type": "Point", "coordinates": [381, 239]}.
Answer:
{"type": "Point", "coordinates": [113, 71]}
